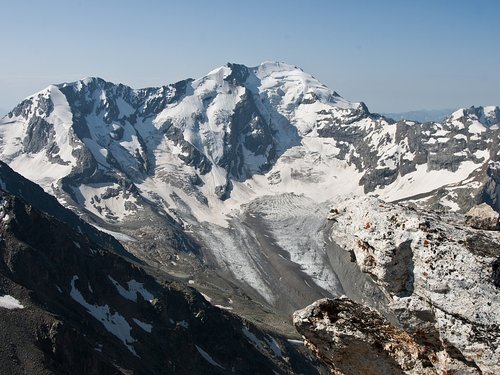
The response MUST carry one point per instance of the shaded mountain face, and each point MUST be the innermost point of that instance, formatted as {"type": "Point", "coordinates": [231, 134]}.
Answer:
{"type": "Point", "coordinates": [68, 302]}
{"type": "Point", "coordinates": [15, 184]}
{"type": "Point", "coordinates": [236, 168]}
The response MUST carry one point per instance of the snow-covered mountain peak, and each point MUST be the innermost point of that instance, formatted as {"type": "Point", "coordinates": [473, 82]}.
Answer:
{"type": "Point", "coordinates": [267, 68]}
{"type": "Point", "coordinates": [292, 80]}
{"type": "Point", "coordinates": [486, 116]}
{"type": "Point", "coordinates": [88, 84]}
{"type": "Point", "coordinates": [218, 73]}
{"type": "Point", "coordinates": [232, 135]}
{"type": "Point", "coordinates": [278, 81]}
{"type": "Point", "coordinates": [87, 81]}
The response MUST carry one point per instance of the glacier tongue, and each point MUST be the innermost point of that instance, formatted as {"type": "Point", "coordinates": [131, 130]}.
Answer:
{"type": "Point", "coordinates": [277, 245]}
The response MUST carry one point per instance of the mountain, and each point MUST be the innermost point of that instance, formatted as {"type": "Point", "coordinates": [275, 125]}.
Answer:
{"type": "Point", "coordinates": [206, 139]}
{"type": "Point", "coordinates": [225, 181]}
{"type": "Point", "coordinates": [67, 302]}
{"type": "Point", "coordinates": [423, 115]}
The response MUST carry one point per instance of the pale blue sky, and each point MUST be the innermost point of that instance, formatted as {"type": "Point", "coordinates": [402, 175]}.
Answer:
{"type": "Point", "coordinates": [394, 55]}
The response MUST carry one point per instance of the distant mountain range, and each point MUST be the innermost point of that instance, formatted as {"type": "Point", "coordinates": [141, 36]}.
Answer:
{"type": "Point", "coordinates": [424, 115]}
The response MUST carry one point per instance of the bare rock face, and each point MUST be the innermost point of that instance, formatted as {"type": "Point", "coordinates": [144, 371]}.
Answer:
{"type": "Point", "coordinates": [440, 278]}
{"type": "Point", "coordinates": [354, 339]}
{"type": "Point", "coordinates": [482, 216]}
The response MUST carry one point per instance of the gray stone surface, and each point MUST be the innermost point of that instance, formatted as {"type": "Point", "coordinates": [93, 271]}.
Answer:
{"type": "Point", "coordinates": [451, 277]}
{"type": "Point", "coordinates": [353, 339]}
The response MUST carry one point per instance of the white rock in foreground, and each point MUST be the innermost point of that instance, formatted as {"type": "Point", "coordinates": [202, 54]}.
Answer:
{"type": "Point", "coordinates": [482, 216]}
{"type": "Point", "coordinates": [439, 278]}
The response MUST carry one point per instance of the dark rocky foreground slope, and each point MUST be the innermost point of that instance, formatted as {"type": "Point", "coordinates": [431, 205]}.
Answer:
{"type": "Point", "coordinates": [71, 305]}
{"type": "Point", "coordinates": [30, 192]}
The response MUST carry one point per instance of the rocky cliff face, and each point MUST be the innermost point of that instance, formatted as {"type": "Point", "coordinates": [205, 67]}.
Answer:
{"type": "Point", "coordinates": [439, 277]}
{"type": "Point", "coordinates": [354, 339]}
{"type": "Point", "coordinates": [68, 302]}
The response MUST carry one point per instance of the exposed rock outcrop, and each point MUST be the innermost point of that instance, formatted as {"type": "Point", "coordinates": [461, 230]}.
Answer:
{"type": "Point", "coordinates": [439, 277]}
{"type": "Point", "coordinates": [354, 339]}
{"type": "Point", "coordinates": [482, 216]}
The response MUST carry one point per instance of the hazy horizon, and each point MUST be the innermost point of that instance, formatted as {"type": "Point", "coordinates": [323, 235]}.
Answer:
{"type": "Point", "coordinates": [395, 56]}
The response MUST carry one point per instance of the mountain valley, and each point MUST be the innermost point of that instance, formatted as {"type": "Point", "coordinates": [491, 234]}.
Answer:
{"type": "Point", "coordinates": [256, 187]}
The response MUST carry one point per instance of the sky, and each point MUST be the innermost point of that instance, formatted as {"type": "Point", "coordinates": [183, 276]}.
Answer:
{"type": "Point", "coordinates": [395, 55]}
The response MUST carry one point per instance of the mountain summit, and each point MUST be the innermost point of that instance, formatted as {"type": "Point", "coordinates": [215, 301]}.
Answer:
{"type": "Point", "coordinates": [232, 123]}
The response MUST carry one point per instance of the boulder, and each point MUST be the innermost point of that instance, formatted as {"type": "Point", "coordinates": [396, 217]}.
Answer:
{"type": "Point", "coordinates": [482, 216]}
{"type": "Point", "coordinates": [354, 339]}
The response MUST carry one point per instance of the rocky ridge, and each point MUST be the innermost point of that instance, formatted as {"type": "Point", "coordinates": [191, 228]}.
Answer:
{"type": "Point", "coordinates": [439, 277]}
{"type": "Point", "coordinates": [354, 339]}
